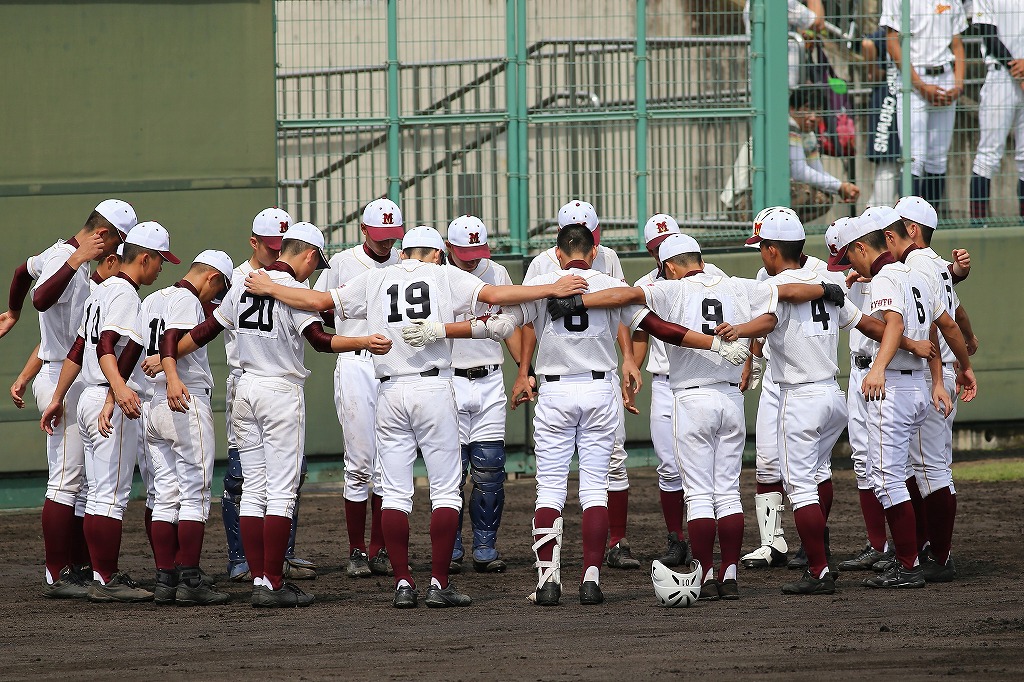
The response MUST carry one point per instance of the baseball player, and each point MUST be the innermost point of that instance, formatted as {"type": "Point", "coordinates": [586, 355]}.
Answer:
{"type": "Point", "coordinates": [61, 273]}
{"type": "Point", "coordinates": [1001, 106]}
{"type": "Point", "coordinates": [268, 414]}
{"type": "Point", "coordinates": [268, 227]}
{"type": "Point", "coordinates": [180, 445]}
{"type": "Point", "coordinates": [480, 396]}
{"type": "Point", "coordinates": [606, 261]}
{"type": "Point", "coordinates": [106, 352]}
{"type": "Point", "coordinates": [894, 386]}
{"type": "Point", "coordinates": [355, 391]}
{"type": "Point", "coordinates": [937, 76]}
{"type": "Point", "coordinates": [416, 403]}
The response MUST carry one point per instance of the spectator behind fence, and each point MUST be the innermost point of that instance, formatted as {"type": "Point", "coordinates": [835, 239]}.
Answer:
{"type": "Point", "coordinates": [883, 142]}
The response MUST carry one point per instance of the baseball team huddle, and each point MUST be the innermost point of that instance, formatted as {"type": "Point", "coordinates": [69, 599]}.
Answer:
{"type": "Point", "coordinates": [122, 381]}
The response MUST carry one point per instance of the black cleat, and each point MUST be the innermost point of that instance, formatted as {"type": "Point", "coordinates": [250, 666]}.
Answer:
{"type": "Point", "coordinates": [799, 560]}
{"type": "Point", "coordinates": [863, 561]}
{"type": "Point", "coordinates": [729, 589]}
{"type": "Point", "coordinates": [677, 552]}
{"type": "Point", "coordinates": [358, 565]}
{"type": "Point", "coordinates": [120, 588]}
{"type": "Point", "coordinates": [193, 590]}
{"type": "Point", "coordinates": [619, 556]}
{"type": "Point", "coordinates": [765, 556]}
{"type": "Point", "coordinates": [547, 594]}
{"type": "Point", "coordinates": [455, 566]}
{"type": "Point", "coordinates": [590, 593]}
{"type": "Point", "coordinates": [897, 577]}
{"type": "Point", "coordinates": [709, 591]}
{"type": "Point", "coordinates": [68, 585]}
{"type": "Point", "coordinates": [934, 572]}
{"type": "Point", "coordinates": [380, 564]}
{"type": "Point", "coordinates": [289, 596]}
{"type": "Point", "coordinates": [405, 597]}
{"type": "Point", "coordinates": [493, 566]}
{"type": "Point", "coordinates": [808, 584]}
{"type": "Point", "coordinates": [438, 598]}
{"type": "Point", "coordinates": [166, 587]}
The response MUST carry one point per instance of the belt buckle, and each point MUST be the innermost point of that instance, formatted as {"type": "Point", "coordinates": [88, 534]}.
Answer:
{"type": "Point", "coordinates": [477, 372]}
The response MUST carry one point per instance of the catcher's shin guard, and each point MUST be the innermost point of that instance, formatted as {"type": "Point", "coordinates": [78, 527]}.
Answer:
{"type": "Point", "coordinates": [229, 503]}
{"type": "Point", "coordinates": [458, 552]}
{"type": "Point", "coordinates": [773, 549]}
{"type": "Point", "coordinates": [549, 574]}
{"type": "Point", "coordinates": [487, 460]}
{"type": "Point", "coordinates": [295, 568]}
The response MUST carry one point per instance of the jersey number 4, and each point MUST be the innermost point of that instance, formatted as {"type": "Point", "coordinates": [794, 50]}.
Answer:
{"type": "Point", "coordinates": [259, 315]}
{"type": "Point", "coordinates": [417, 295]}
{"type": "Point", "coordinates": [819, 313]}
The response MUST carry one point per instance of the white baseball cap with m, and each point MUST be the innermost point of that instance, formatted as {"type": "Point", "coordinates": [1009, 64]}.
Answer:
{"type": "Point", "coordinates": [270, 224]}
{"type": "Point", "coordinates": [467, 235]}
{"type": "Point", "coordinates": [118, 213]}
{"type": "Point", "coordinates": [777, 223]}
{"type": "Point", "coordinates": [153, 236]}
{"type": "Point", "coordinates": [383, 220]}
{"type": "Point", "coordinates": [658, 228]}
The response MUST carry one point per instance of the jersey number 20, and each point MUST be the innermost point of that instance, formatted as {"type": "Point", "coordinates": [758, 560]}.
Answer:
{"type": "Point", "coordinates": [259, 315]}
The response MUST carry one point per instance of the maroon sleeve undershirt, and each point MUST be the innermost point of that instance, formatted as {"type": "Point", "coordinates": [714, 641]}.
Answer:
{"type": "Point", "coordinates": [957, 278]}
{"type": "Point", "coordinates": [660, 329]}
{"type": "Point", "coordinates": [169, 343]}
{"type": "Point", "coordinates": [50, 291]}
{"type": "Point", "coordinates": [77, 352]}
{"type": "Point", "coordinates": [20, 284]}
{"type": "Point", "coordinates": [206, 331]}
{"type": "Point", "coordinates": [107, 343]}
{"type": "Point", "coordinates": [129, 359]}
{"type": "Point", "coordinates": [328, 319]}
{"type": "Point", "coordinates": [318, 338]}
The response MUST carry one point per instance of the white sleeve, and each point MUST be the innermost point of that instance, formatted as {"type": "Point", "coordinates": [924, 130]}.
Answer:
{"type": "Point", "coordinates": [800, 15]}
{"type": "Point", "coordinates": [891, 15]}
{"type": "Point", "coordinates": [531, 271]}
{"type": "Point", "coordinates": [763, 296]}
{"type": "Point", "coordinates": [712, 269]}
{"type": "Point", "coordinates": [227, 312]}
{"type": "Point", "coordinates": [122, 315]}
{"type": "Point", "coordinates": [57, 260]}
{"type": "Point", "coordinates": [615, 266]}
{"type": "Point", "coordinates": [323, 282]}
{"type": "Point", "coordinates": [34, 265]}
{"type": "Point", "coordinates": [184, 312]}
{"type": "Point", "coordinates": [465, 288]}
{"type": "Point", "coordinates": [960, 17]}
{"type": "Point", "coordinates": [350, 298]}
{"type": "Point", "coordinates": [849, 314]}
{"type": "Point", "coordinates": [886, 294]}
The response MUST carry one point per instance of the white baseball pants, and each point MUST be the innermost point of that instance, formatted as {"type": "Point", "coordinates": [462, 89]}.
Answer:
{"type": "Point", "coordinates": [269, 418]}
{"type": "Point", "coordinates": [145, 467]}
{"type": "Point", "coordinates": [576, 413]}
{"type": "Point", "coordinates": [662, 435]}
{"type": "Point", "coordinates": [891, 424]}
{"type": "Point", "coordinates": [481, 404]}
{"type": "Point", "coordinates": [355, 397]}
{"type": "Point", "coordinates": [618, 477]}
{"type": "Point", "coordinates": [709, 436]}
{"type": "Point", "coordinates": [931, 448]}
{"type": "Point", "coordinates": [931, 127]}
{"type": "Point", "coordinates": [857, 425]}
{"type": "Point", "coordinates": [182, 448]}
{"type": "Point", "coordinates": [109, 462]}
{"type": "Point", "coordinates": [766, 431]}
{"type": "Point", "coordinates": [65, 453]}
{"type": "Point", "coordinates": [1001, 111]}
{"type": "Point", "coordinates": [811, 417]}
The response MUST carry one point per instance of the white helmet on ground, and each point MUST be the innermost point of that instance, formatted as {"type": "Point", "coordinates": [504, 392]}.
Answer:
{"type": "Point", "coordinates": [676, 589]}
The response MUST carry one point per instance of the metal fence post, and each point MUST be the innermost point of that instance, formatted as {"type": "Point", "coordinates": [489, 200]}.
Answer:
{"type": "Point", "coordinates": [776, 111]}
{"type": "Point", "coordinates": [394, 131]}
{"type": "Point", "coordinates": [515, 227]}
{"type": "Point", "coordinates": [641, 118]}
{"type": "Point", "coordinates": [907, 183]}
{"type": "Point", "coordinates": [523, 162]}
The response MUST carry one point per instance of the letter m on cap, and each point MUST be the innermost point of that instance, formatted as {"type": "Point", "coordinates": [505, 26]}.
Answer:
{"type": "Point", "coordinates": [474, 237]}
{"type": "Point", "coordinates": [662, 226]}
{"type": "Point", "coordinates": [387, 218]}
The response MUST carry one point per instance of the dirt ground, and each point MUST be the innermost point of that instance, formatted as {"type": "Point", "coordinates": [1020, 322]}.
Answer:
{"type": "Point", "coordinates": [969, 629]}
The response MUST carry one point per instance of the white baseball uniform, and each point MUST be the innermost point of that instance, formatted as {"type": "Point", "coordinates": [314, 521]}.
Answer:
{"type": "Point", "coordinates": [932, 27]}
{"type": "Point", "coordinates": [481, 399]}
{"type": "Point", "coordinates": [894, 420]}
{"type": "Point", "coordinates": [812, 407]}
{"type": "Point", "coordinates": [109, 461]}
{"type": "Point", "coordinates": [1001, 106]}
{"type": "Point", "coordinates": [416, 402]}
{"type": "Point", "coordinates": [57, 325]}
{"type": "Point", "coordinates": [181, 447]}
{"type": "Point", "coordinates": [269, 410]}
{"type": "Point", "coordinates": [238, 276]}
{"type": "Point", "coordinates": [578, 402]}
{"type": "Point", "coordinates": [862, 350]}
{"type": "Point", "coordinates": [355, 386]}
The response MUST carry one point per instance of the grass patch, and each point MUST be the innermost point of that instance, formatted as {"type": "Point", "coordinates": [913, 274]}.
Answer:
{"type": "Point", "coordinates": [988, 470]}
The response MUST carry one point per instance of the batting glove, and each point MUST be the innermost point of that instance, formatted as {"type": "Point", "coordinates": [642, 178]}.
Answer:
{"type": "Point", "coordinates": [755, 373]}
{"type": "Point", "coordinates": [834, 293]}
{"type": "Point", "coordinates": [500, 326]}
{"type": "Point", "coordinates": [570, 305]}
{"type": "Point", "coordinates": [423, 333]}
{"type": "Point", "coordinates": [735, 352]}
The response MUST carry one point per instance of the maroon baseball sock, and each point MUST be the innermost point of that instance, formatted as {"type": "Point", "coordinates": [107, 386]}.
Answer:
{"type": "Point", "coordinates": [764, 488]}
{"type": "Point", "coordinates": [702, 543]}
{"type": "Point", "coordinates": [164, 537]}
{"type": "Point", "coordinates": [190, 542]}
{"type": "Point", "coordinates": [874, 518]}
{"type": "Point", "coordinates": [545, 517]}
{"type": "Point", "coordinates": [810, 524]}
{"type": "Point", "coordinates": [941, 507]}
{"type": "Point", "coordinates": [672, 508]}
{"type": "Point", "coordinates": [444, 523]}
{"type": "Point", "coordinates": [79, 552]}
{"type": "Point", "coordinates": [902, 529]}
{"type": "Point", "coordinates": [395, 528]}
{"type": "Point", "coordinates": [920, 513]}
{"type": "Point", "coordinates": [276, 532]}
{"type": "Point", "coordinates": [251, 530]}
{"type": "Point", "coordinates": [595, 532]}
{"type": "Point", "coordinates": [149, 532]}
{"type": "Point", "coordinates": [618, 509]}
{"type": "Point", "coordinates": [103, 534]}
{"type": "Point", "coordinates": [58, 524]}
{"type": "Point", "coordinates": [730, 540]}
{"type": "Point", "coordinates": [826, 493]}
{"type": "Point", "coordinates": [376, 530]}
{"type": "Point", "coordinates": [355, 522]}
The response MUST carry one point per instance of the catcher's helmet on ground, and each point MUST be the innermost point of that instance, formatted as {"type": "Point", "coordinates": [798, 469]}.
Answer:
{"type": "Point", "coordinates": [676, 589]}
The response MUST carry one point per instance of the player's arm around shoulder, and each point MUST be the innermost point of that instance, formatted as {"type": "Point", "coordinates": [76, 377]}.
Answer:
{"type": "Point", "coordinates": [533, 290]}
{"type": "Point", "coordinates": [259, 283]}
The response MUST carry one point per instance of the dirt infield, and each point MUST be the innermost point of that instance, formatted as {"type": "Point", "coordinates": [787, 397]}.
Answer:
{"type": "Point", "coordinates": [970, 629]}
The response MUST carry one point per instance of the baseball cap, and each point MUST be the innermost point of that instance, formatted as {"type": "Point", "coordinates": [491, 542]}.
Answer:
{"type": "Point", "coordinates": [849, 232]}
{"type": "Point", "coordinates": [467, 235]}
{"type": "Point", "coordinates": [658, 227]}
{"type": "Point", "coordinates": [270, 224]}
{"type": "Point", "coordinates": [152, 235]}
{"type": "Point", "coordinates": [219, 260]}
{"type": "Point", "coordinates": [579, 213]}
{"type": "Point", "coordinates": [383, 220]}
{"type": "Point", "coordinates": [778, 224]}
{"type": "Point", "coordinates": [917, 210]}
{"type": "Point", "coordinates": [832, 237]}
{"type": "Point", "coordinates": [676, 244]}
{"type": "Point", "coordinates": [311, 234]}
{"type": "Point", "coordinates": [882, 215]}
{"type": "Point", "coordinates": [118, 213]}
{"type": "Point", "coordinates": [423, 237]}
{"type": "Point", "coordinates": [120, 250]}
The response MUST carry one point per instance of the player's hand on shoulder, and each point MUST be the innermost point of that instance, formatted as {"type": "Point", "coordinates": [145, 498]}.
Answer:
{"type": "Point", "coordinates": [151, 366]}
{"type": "Point", "coordinates": [7, 321]}
{"type": "Point", "coordinates": [258, 282]}
{"type": "Point", "coordinates": [727, 332]}
{"type": "Point", "coordinates": [52, 417]}
{"type": "Point", "coordinates": [422, 333]}
{"type": "Point", "coordinates": [378, 344]}
{"type": "Point", "coordinates": [873, 386]}
{"type": "Point", "coordinates": [565, 306]}
{"type": "Point", "coordinates": [852, 277]}
{"type": "Point", "coordinates": [569, 285]}
{"type": "Point", "coordinates": [833, 293]}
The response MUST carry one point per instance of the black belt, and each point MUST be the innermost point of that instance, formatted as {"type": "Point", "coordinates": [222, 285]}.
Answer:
{"type": "Point", "coordinates": [358, 351]}
{"type": "Point", "coordinates": [906, 372]}
{"type": "Point", "coordinates": [690, 388]}
{"type": "Point", "coordinates": [105, 385]}
{"type": "Point", "coordinates": [662, 376]}
{"type": "Point", "coordinates": [428, 373]}
{"type": "Point", "coordinates": [861, 361]}
{"type": "Point", "coordinates": [935, 70]}
{"type": "Point", "coordinates": [475, 372]}
{"type": "Point", "coordinates": [558, 377]}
